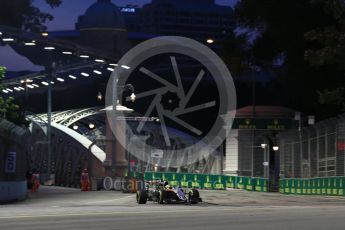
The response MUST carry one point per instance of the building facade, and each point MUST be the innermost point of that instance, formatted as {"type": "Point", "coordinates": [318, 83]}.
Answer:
{"type": "Point", "coordinates": [109, 27]}
{"type": "Point", "coordinates": [249, 149]}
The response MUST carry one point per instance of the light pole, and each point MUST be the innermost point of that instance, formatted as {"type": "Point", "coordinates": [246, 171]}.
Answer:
{"type": "Point", "coordinates": [113, 124]}
{"type": "Point", "coordinates": [266, 162]}
{"type": "Point", "coordinates": [51, 76]}
{"type": "Point", "coordinates": [298, 117]}
{"type": "Point", "coordinates": [114, 119]}
{"type": "Point", "coordinates": [265, 147]}
{"type": "Point", "coordinates": [262, 146]}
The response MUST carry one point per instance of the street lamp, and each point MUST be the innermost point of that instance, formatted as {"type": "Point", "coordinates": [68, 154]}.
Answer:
{"type": "Point", "coordinates": [99, 96]}
{"type": "Point", "coordinates": [266, 148]}
{"type": "Point", "coordinates": [266, 159]}
{"type": "Point", "coordinates": [133, 97]}
{"type": "Point", "coordinates": [91, 126]}
{"type": "Point", "coordinates": [210, 41]}
{"type": "Point", "coordinates": [263, 146]}
{"type": "Point", "coordinates": [275, 148]}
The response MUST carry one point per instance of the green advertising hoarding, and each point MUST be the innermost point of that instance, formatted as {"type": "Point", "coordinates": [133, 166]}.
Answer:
{"type": "Point", "coordinates": [269, 124]}
{"type": "Point", "coordinates": [330, 186]}
{"type": "Point", "coordinates": [189, 180]}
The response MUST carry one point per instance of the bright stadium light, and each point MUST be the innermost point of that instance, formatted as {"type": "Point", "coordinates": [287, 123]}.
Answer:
{"type": "Point", "coordinates": [113, 64]}
{"type": "Point", "coordinates": [84, 56]}
{"type": "Point", "coordinates": [5, 91]}
{"type": "Point", "coordinates": [99, 60]}
{"type": "Point", "coordinates": [29, 44]}
{"type": "Point", "coordinates": [49, 48]}
{"type": "Point", "coordinates": [125, 67]}
{"type": "Point", "coordinates": [30, 86]}
{"type": "Point", "coordinates": [97, 72]}
{"type": "Point", "coordinates": [67, 53]}
{"type": "Point", "coordinates": [8, 39]}
{"type": "Point", "coordinates": [110, 69]}
{"type": "Point", "coordinates": [45, 83]}
{"type": "Point", "coordinates": [60, 79]}
{"type": "Point", "coordinates": [9, 90]}
{"type": "Point", "coordinates": [35, 85]}
{"type": "Point", "coordinates": [73, 77]}
{"type": "Point", "coordinates": [85, 74]}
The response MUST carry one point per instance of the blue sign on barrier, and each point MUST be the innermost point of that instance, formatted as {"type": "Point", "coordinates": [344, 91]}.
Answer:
{"type": "Point", "coordinates": [10, 162]}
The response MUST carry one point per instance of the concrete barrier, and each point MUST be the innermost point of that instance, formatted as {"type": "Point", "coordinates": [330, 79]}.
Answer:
{"type": "Point", "coordinates": [12, 191]}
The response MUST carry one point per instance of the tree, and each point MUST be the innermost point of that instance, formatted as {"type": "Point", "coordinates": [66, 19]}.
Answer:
{"type": "Point", "coordinates": [329, 49]}
{"type": "Point", "coordinates": [281, 27]}
{"type": "Point", "coordinates": [329, 40]}
{"type": "Point", "coordinates": [236, 53]}
{"type": "Point", "coordinates": [23, 14]}
{"type": "Point", "coordinates": [8, 109]}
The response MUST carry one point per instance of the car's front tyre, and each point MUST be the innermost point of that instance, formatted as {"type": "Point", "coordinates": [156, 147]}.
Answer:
{"type": "Point", "coordinates": [162, 196]}
{"type": "Point", "coordinates": [194, 196]}
{"type": "Point", "coordinates": [141, 197]}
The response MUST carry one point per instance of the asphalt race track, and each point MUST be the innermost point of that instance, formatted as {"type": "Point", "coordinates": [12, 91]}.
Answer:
{"type": "Point", "coordinates": [59, 208]}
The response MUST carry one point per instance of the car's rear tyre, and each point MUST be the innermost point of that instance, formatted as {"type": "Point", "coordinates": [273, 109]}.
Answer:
{"type": "Point", "coordinates": [194, 196]}
{"type": "Point", "coordinates": [162, 196]}
{"type": "Point", "coordinates": [141, 197]}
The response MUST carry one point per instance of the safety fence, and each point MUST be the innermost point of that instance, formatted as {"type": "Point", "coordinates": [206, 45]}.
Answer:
{"type": "Point", "coordinates": [314, 152]}
{"type": "Point", "coordinates": [206, 181]}
{"type": "Point", "coordinates": [331, 186]}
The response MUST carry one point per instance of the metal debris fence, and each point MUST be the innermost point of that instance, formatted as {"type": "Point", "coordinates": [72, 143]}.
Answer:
{"type": "Point", "coordinates": [314, 152]}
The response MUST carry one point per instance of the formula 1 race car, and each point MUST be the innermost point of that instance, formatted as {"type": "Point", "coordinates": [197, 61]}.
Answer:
{"type": "Point", "coordinates": [162, 192]}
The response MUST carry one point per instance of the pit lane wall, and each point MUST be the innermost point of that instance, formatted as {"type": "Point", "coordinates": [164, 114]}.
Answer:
{"type": "Point", "coordinates": [212, 182]}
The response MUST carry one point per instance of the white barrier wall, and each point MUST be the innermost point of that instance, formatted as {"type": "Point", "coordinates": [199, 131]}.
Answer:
{"type": "Point", "coordinates": [231, 156]}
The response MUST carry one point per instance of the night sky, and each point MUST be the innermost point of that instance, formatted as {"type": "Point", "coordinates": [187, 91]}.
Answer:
{"type": "Point", "coordinates": [65, 17]}
{"type": "Point", "coordinates": [67, 13]}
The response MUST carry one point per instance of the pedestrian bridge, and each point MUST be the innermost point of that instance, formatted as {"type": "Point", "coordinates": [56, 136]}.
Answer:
{"type": "Point", "coordinates": [80, 139]}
